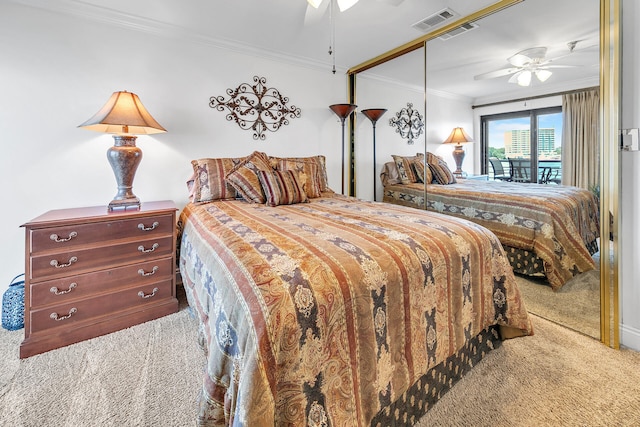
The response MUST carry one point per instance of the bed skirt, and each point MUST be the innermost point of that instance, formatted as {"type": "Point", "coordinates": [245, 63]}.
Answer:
{"type": "Point", "coordinates": [424, 393]}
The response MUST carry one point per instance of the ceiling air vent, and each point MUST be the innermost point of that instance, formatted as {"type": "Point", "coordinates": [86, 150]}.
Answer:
{"type": "Point", "coordinates": [458, 30]}
{"type": "Point", "coordinates": [427, 24]}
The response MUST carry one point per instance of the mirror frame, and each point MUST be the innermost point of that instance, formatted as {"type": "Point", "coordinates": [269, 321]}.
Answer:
{"type": "Point", "coordinates": [609, 153]}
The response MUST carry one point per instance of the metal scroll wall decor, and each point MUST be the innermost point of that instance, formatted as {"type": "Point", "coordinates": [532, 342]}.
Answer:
{"type": "Point", "coordinates": [408, 123]}
{"type": "Point", "coordinates": [256, 107]}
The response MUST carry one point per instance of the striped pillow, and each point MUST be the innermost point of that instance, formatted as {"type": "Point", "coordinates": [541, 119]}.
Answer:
{"type": "Point", "coordinates": [244, 177]}
{"type": "Point", "coordinates": [301, 164]}
{"type": "Point", "coordinates": [405, 169]}
{"type": "Point", "coordinates": [281, 187]}
{"type": "Point", "coordinates": [441, 173]}
{"type": "Point", "coordinates": [418, 166]}
{"type": "Point", "coordinates": [208, 179]}
{"type": "Point", "coordinates": [308, 174]}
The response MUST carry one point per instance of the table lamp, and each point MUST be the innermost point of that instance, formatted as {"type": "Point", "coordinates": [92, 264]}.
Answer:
{"type": "Point", "coordinates": [458, 136]}
{"type": "Point", "coordinates": [124, 116]}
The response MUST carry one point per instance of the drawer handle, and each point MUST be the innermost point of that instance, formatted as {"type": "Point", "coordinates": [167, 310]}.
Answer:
{"type": "Point", "coordinates": [150, 273]}
{"type": "Point", "coordinates": [153, 226]}
{"type": "Point", "coordinates": [55, 290]}
{"type": "Point", "coordinates": [55, 264]}
{"type": "Point", "coordinates": [142, 295]}
{"type": "Point", "coordinates": [151, 249]}
{"type": "Point", "coordinates": [57, 239]}
{"type": "Point", "coordinates": [55, 317]}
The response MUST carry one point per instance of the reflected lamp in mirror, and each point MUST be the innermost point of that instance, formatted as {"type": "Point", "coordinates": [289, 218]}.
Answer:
{"type": "Point", "coordinates": [125, 117]}
{"type": "Point", "coordinates": [343, 111]}
{"type": "Point", "coordinates": [374, 114]}
{"type": "Point", "coordinates": [458, 136]}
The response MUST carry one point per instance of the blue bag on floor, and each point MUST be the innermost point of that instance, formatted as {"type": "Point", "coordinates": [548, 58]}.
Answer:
{"type": "Point", "coordinates": [13, 305]}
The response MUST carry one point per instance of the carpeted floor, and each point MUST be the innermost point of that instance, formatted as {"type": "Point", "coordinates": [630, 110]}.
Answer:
{"type": "Point", "coordinates": [149, 375]}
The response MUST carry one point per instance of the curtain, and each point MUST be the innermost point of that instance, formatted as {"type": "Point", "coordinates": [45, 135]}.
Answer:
{"type": "Point", "coordinates": [580, 150]}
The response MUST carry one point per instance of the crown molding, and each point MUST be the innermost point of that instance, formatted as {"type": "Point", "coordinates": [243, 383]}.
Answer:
{"type": "Point", "coordinates": [107, 16]}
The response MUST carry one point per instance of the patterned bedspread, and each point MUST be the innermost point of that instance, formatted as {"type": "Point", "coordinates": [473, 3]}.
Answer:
{"type": "Point", "coordinates": [325, 313]}
{"type": "Point", "coordinates": [560, 224]}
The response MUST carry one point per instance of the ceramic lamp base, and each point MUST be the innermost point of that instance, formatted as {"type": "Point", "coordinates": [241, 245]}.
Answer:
{"type": "Point", "coordinates": [124, 158]}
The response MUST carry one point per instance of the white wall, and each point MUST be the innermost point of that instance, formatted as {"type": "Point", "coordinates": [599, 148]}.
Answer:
{"type": "Point", "coordinates": [630, 186]}
{"type": "Point", "coordinates": [57, 71]}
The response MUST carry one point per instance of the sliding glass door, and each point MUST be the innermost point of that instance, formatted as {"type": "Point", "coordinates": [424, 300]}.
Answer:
{"type": "Point", "coordinates": [527, 145]}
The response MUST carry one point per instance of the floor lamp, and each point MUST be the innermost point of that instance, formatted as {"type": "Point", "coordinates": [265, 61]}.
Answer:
{"type": "Point", "coordinates": [374, 114]}
{"type": "Point", "coordinates": [343, 111]}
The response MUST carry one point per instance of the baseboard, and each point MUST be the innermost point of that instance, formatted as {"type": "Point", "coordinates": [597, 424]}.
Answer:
{"type": "Point", "coordinates": [630, 337]}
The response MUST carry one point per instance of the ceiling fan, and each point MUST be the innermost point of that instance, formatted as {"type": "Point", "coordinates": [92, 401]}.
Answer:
{"type": "Point", "coordinates": [316, 8]}
{"type": "Point", "coordinates": [526, 64]}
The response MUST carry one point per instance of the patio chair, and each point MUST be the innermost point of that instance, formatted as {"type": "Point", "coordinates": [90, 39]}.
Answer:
{"type": "Point", "coordinates": [498, 170]}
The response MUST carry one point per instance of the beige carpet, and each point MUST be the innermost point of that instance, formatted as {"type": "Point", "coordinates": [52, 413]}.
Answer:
{"type": "Point", "coordinates": [149, 375]}
{"type": "Point", "coordinates": [576, 305]}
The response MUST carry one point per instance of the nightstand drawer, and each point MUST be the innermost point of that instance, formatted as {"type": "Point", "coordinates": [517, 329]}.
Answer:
{"type": "Point", "coordinates": [49, 266]}
{"type": "Point", "coordinates": [69, 314]}
{"type": "Point", "coordinates": [66, 237]}
{"type": "Point", "coordinates": [72, 288]}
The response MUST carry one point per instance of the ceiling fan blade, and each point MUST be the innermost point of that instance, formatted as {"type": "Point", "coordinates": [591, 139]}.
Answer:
{"type": "Point", "coordinates": [314, 15]}
{"type": "Point", "coordinates": [496, 73]}
{"type": "Point", "coordinates": [391, 2]}
{"type": "Point", "coordinates": [559, 66]}
{"type": "Point", "coordinates": [314, 3]}
{"type": "Point", "coordinates": [346, 4]}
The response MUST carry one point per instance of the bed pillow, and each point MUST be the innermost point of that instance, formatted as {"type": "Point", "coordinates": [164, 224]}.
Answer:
{"type": "Point", "coordinates": [295, 163]}
{"type": "Point", "coordinates": [209, 182]}
{"type": "Point", "coordinates": [389, 174]}
{"type": "Point", "coordinates": [418, 166]}
{"type": "Point", "coordinates": [310, 172]}
{"type": "Point", "coordinates": [405, 169]}
{"type": "Point", "coordinates": [282, 187]}
{"type": "Point", "coordinates": [441, 173]}
{"type": "Point", "coordinates": [244, 177]}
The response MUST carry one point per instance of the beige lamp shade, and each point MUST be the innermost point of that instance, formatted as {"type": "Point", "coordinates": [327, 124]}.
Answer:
{"type": "Point", "coordinates": [458, 136]}
{"type": "Point", "coordinates": [123, 114]}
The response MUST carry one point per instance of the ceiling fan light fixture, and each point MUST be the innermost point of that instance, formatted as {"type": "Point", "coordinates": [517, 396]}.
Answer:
{"type": "Point", "coordinates": [314, 3]}
{"type": "Point", "coordinates": [524, 78]}
{"type": "Point", "coordinates": [543, 75]}
{"type": "Point", "coordinates": [345, 4]}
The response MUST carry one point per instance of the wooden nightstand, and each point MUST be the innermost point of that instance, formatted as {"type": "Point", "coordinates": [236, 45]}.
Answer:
{"type": "Point", "coordinates": [90, 272]}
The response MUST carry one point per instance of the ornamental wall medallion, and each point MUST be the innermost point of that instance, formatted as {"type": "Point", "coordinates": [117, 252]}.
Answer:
{"type": "Point", "coordinates": [256, 107]}
{"type": "Point", "coordinates": [408, 123]}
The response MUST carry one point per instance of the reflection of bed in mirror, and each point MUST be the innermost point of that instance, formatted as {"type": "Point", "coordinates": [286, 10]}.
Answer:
{"type": "Point", "coordinates": [549, 231]}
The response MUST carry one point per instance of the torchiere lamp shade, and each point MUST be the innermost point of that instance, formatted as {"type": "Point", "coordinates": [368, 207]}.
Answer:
{"type": "Point", "coordinates": [458, 136]}
{"type": "Point", "coordinates": [343, 111]}
{"type": "Point", "coordinates": [374, 115]}
{"type": "Point", "coordinates": [124, 116]}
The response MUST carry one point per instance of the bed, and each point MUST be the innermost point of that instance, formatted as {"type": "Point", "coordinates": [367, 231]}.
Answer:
{"type": "Point", "coordinates": [336, 311]}
{"type": "Point", "coordinates": [546, 230]}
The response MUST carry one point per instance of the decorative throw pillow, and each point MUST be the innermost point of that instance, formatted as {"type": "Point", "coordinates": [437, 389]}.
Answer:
{"type": "Point", "coordinates": [298, 164]}
{"type": "Point", "coordinates": [405, 170]}
{"type": "Point", "coordinates": [244, 177]}
{"type": "Point", "coordinates": [281, 187]}
{"type": "Point", "coordinates": [418, 166]}
{"type": "Point", "coordinates": [389, 174]}
{"type": "Point", "coordinates": [441, 173]}
{"type": "Point", "coordinates": [209, 182]}
{"type": "Point", "coordinates": [308, 171]}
